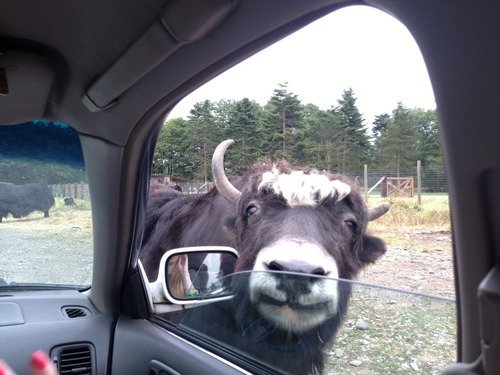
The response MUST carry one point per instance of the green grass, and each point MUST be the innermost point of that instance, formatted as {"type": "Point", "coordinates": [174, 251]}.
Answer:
{"type": "Point", "coordinates": [408, 225]}
{"type": "Point", "coordinates": [434, 213]}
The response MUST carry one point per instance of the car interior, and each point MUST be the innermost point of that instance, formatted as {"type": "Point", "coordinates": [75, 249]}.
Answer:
{"type": "Point", "coordinates": [113, 71]}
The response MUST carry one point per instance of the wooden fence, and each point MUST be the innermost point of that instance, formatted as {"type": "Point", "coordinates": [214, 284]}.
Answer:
{"type": "Point", "coordinates": [187, 186]}
{"type": "Point", "coordinates": [194, 187]}
{"type": "Point", "coordinates": [81, 190]}
{"type": "Point", "coordinates": [75, 191]}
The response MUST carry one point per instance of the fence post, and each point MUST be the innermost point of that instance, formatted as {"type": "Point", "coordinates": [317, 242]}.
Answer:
{"type": "Point", "coordinates": [366, 182]}
{"type": "Point", "coordinates": [419, 182]}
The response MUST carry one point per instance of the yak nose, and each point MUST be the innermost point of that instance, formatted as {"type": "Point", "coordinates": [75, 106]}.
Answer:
{"type": "Point", "coordinates": [296, 266]}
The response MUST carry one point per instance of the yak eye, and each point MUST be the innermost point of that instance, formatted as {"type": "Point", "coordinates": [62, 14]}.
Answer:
{"type": "Point", "coordinates": [351, 223]}
{"type": "Point", "coordinates": [251, 209]}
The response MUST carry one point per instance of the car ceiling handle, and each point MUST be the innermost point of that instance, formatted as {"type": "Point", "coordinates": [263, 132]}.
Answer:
{"type": "Point", "coordinates": [180, 22]}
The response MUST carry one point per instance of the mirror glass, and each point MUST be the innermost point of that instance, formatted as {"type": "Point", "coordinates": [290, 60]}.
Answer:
{"type": "Point", "coordinates": [191, 275]}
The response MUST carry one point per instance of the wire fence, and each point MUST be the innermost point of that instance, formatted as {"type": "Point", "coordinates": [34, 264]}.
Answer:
{"type": "Point", "coordinates": [379, 183]}
{"type": "Point", "coordinates": [432, 180]}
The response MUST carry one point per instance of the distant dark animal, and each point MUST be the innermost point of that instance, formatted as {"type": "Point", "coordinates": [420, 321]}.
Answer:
{"type": "Point", "coordinates": [22, 200]}
{"type": "Point", "coordinates": [159, 195]}
{"type": "Point", "coordinates": [158, 188]}
{"type": "Point", "coordinates": [68, 201]}
{"type": "Point", "coordinates": [279, 219]}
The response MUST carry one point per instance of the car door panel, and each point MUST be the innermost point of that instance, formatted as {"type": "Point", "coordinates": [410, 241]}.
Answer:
{"type": "Point", "coordinates": [142, 347]}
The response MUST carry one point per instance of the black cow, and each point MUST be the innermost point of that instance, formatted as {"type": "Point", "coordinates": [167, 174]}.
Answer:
{"type": "Point", "coordinates": [279, 219]}
{"type": "Point", "coordinates": [22, 200]}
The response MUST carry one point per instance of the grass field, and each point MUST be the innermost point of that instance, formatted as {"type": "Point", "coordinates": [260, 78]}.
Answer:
{"type": "Point", "coordinates": [406, 217]}
{"type": "Point", "coordinates": [61, 217]}
{"type": "Point", "coordinates": [404, 214]}
{"type": "Point", "coordinates": [433, 213]}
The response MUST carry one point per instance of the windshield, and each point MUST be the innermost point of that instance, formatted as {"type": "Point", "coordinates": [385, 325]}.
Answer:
{"type": "Point", "coordinates": [45, 216]}
{"type": "Point", "coordinates": [362, 329]}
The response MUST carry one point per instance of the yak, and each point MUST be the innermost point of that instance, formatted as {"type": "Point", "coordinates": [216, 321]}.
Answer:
{"type": "Point", "coordinates": [298, 230]}
{"type": "Point", "coordinates": [22, 200]}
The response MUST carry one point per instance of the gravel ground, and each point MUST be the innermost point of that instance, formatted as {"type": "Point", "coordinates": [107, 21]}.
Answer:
{"type": "Point", "coordinates": [387, 332]}
{"type": "Point", "coordinates": [427, 268]}
{"type": "Point", "coordinates": [29, 256]}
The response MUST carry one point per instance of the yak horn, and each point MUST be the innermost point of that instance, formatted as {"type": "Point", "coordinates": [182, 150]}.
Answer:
{"type": "Point", "coordinates": [224, 187]}
{"type": "Point", "coordinates": [375, 212]}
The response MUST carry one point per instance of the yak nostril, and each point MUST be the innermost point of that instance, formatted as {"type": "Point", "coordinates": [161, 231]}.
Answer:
{"type": "Point", "coordinates": [275, 266]}
{"type": "Point", "coordinates": [296, 267]}
{"type": "Point", "coordinates": [319, 272]}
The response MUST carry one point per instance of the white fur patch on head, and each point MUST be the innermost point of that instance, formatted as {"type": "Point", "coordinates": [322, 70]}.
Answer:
{"type": "Point", "coordinates": [300, 189]}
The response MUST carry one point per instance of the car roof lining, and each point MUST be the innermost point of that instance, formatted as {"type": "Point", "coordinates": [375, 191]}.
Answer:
{"type": "Point", "coordinates": [181, 22]}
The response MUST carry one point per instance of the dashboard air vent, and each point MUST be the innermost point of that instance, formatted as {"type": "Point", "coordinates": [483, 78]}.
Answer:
{"type": "Point", "coordinates": [76, 359]}
{"type": "Point", "coordinates": [75, 311]}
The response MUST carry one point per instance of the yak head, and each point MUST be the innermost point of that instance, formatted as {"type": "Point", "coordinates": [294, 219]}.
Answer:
{"type": "Point", "coordinates": [308, 224]}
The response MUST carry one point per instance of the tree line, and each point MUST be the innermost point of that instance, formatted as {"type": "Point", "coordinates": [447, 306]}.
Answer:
{"type": "Point", "coordinates": [335, 139]}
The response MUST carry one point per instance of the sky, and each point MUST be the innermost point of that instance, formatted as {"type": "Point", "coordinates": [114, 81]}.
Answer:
{"type": "Point", "coordinates": [358, 47]}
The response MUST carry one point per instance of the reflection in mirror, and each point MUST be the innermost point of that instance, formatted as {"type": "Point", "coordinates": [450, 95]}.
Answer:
{"type": "Point", "coordinates": [189, 274]}
{"type": "Point", "coordinates": [290, 327]}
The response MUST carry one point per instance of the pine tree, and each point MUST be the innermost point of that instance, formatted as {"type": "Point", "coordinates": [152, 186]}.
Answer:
{"type": "Point", "coordinates": [172, 153]}
{"type": "Point", "coordinates": [321, 138]}
{"type": "Point", "coordinates": [397, 144]}
{"type": "Point", "coordinates": [352, 136]}
{"type": "Point", "coordinates": [283, 128]}
{"type": "Point", "coordinates": [244, 124]}
{"type": "Point", "coordinates": [429, 145]}
{"type": "Point", "coordinates": [205, 136]}
{"type": "Point", "coordinates": [380, 123]}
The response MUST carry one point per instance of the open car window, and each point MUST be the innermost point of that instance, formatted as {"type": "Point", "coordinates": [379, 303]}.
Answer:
{"type": "Point", "coordinates": [387, 152]}
{"type": "Point", "coordinates": [45, 213]}
{"type": "Point", "coordinates": [383, 331]}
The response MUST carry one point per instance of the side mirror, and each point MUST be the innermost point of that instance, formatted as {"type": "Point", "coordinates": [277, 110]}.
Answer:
{"type": "Point", "coordinates": [189, 274]}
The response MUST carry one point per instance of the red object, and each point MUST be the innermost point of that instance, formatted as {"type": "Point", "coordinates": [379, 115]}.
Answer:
{"type": "Point", "coordinates": [3, 370]}
{"type": "Point", "coordinates": [39, 360]}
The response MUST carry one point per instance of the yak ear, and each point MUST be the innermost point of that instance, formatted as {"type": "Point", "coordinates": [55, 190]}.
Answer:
{"type": "Point", "coordinates": [373, 248]}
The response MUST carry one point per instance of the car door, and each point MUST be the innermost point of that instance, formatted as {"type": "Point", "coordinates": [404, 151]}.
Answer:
{"type": "Point", "coordinates": [445, 52]}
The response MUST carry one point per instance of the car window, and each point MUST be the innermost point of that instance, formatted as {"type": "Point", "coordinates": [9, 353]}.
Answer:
{"type": "Point", "coordinates": [46, 222]}
{"type": "Point", "coordinates": [365, 125]}
{"type": "Point", "coordinates": [383, 331]}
